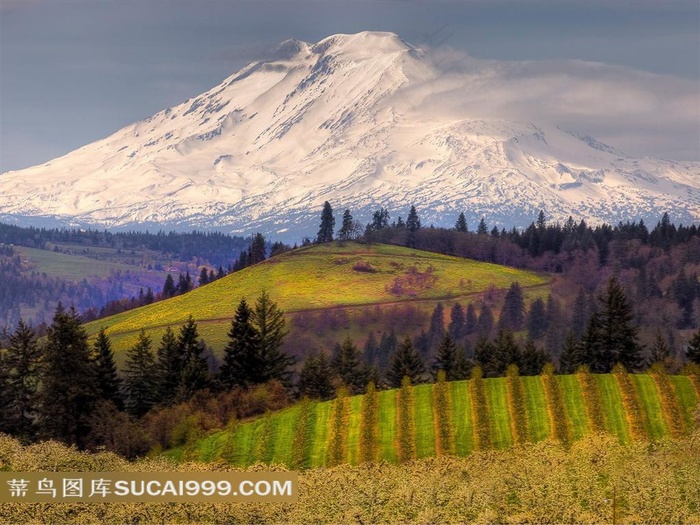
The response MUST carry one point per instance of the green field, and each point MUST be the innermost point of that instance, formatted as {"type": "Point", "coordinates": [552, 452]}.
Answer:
{"type": "Point", "coordinates": [242, 445]}
{"type": "Point", "coordinates": [316, 278]}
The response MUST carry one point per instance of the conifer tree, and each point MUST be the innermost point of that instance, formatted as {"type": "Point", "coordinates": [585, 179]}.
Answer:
{"type": "Point", "coordinates": [203, 276]}
{"type": "Point", "coordinates": [315, 377]}
{"type": "Point", "coordinates": [437, 326]}
{"type": "Point", "coordinates": [258, 249]}
{"type": "Point", "coordinates": [513, 313]}
{"type": "Point", "coordinates": [457, 326]}
{"type": "Point", "coordinates": [485, 323]}
{"type": "Point", "coordinates": [571, 356]}
{"type": "Point", "coordinates": [347, 228]}
{"type": "Point", "coordinates": [482, 229]}
{"type": "Point", "coordinates": [140, 379]}
{"type": "Point", "coordinates": [470, 320]}
{"type": "Point", "coordinates": [195, 370]}
{"type": "Point", "coordinates": [242, 364]}
{"type": "Point", "coordinates": [616, 326]}
{"type": "Point", "coordinates": [68, 381]}
{"type": "Point", "coordinates": [405, 362]}
{"type": "Point", "coordinates": [21, 369]}
{"type": "Point", "coordinates": [412, 225]}
{"type": "Point", "coordinates": [461, 224]}
{"type": "Point", "coordinates": [579, 317]}
{"type": "Point", "coordinates": [533, 359]}
{"type": "Point", "coordinates": [507, 352]}
{"type": "Point", "coordinates": [108, 381]}
{"type": "Point", "coordinates": [268, 321]}
{"type": "Point", "coordinates": [168, 368]}
{"type": "Point", "coordinates": [325, 231]}
{"type": "Point", "coordinates": [169, 289]}
{"type": "Point", "coordinates": [484, 355]}
{"type": "Point", "coordinates": [348, 366]}
{"type": "Point", "coordinates": [451, 360]}
{"type": "Point", "coordinates": [660, 351]}
{"type": "Point", "coordinates": [371, 350]}
{"type": "Point", "coordinates": [537, 320]}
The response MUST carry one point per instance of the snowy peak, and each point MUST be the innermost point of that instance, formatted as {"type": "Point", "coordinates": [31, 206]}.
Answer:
{"type": "Point", "coordinates": [362, 121]}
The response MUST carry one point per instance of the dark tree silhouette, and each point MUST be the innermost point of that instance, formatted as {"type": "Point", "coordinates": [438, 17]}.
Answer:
{"type": "Point", "coordinates": [325, 231]}
{"type": "Point", "coordinates": [405, 362]}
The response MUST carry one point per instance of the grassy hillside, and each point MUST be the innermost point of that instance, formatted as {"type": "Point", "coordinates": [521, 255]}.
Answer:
{"type": "Point", "coordinates": [315, 434]}
{"type": "Point", "coordinates": [320, 277]}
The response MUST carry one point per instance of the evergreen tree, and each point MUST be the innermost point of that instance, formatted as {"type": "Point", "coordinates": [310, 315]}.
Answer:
{"type": "Point", "coordinates": [485, 323]}
{"type": "Point", "coordinates": [506, 352]}
{"type": "Point", "coordinates": [437, 326]}
{"type": "Point", "coordinates": [203, 276]}
{"type": "Point", "coordinates": [537, 320]}
{"type": "Point", "coordinates": [471, 320]}
{"type": "Point", "coordinates": [482, 229]}
{"type": "Point", "coordinates": [168, 368]}
{"type": "Point", "coordinates": [571, 356]}
{"type": "Point", "coordinates": [140, 379]}
{"type": "Point", "coordinates": [692, 351]}
{"type": "Point", "coordinates": [268, 321]}
{"type": "Point", "coordinates": [484, 355]}
{"type": "Point", "coordinates": [169, 289]}
{"type": "Point", "coordinates": [451, 359]}
{"type": "Point", "coordinates": [412, 225]}
{"type": "Point", "coordinates": [258, 249]}
{"type": "Point", "coordinates": [242, 364]}
{"type": "Point", "coordinates": [371, 350]}
{"type": "Point", "coordinates": [457, 326]}
{"type": "Point", "coordinates": [184, 283]}
{"type": "Point", "coordinates": [513, 313]}
{"type": "Point", "coordinates": [596, 354]}
{"type": "Point", "coordinates": [405, 362]}
{"type": "Point", "coordinates": [68, 382]}
{"type": "Point", "coordinates": [533, 359]}
{"type": "Point", "coordinates": [461, 224]}
{"type": "Point", "coordinates": [579, 317]}
{"type": "Point", "coordinates": [619, 335]}
{"type": "Point", "coordinates": [387, 347]}
{"type": "Point", "coordinates": [348, 366]}
{"type": "Point", "coordinates": [660, 351]}
{"type": "Point", "coordinates": [325, 231]}
{"type": "Point", "coordinates": [347, 228]}
{"type": "Point", "coordinates": [315, 377]}
{"type": "Point", "coordinates": [195, 370]}
{"type": "Point", "coordinates": [108, 381]}
{"type": "Point", "coordinates": [380, 219]}
{"type": "Point", "coordinates": [21, 369]}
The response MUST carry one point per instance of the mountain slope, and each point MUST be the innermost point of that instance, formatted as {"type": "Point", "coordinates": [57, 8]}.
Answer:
{"type": "Point", "coordinates": [315, 278]}
{"type": "Point", "coordinates": [360, 120]}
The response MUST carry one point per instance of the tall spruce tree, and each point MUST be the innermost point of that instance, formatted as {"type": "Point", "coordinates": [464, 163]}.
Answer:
{"type": "Point", "coordinates": [572, 355]}
{"type": "Point", "coordinates": [461, 224]}
{"type": "Point", "coordinates": [457, 326]}
{"type": "Point", "coordinates": [533, 359]}
{"type": "Point", "coordinates": [195, 369]}
{"type": "Point", "coordinates": [258, 250]}
{"type": "Point", "coordinates": [268, 321]}
{"type": "Point", "coordinates": [470, 320]}
{"type": "Point", "coordinates": [168, 368]}
{"type": "Point", "coordinates": [347, 364]}
{"type": "Point", "coordinates": [169, 288]}
{"type": "Point", "coordinates": [437, 326]}
{"type": "Point", "coordinates": [451, 359]}
{"type": "Point", "coordinates": [140, 378]}
{"type": "Point", "coordinates": [68, 381]}
{"type": "Point", "coordinates": [579, 315]}
{"type": "Point", "coordinates": [537, 320]}
{"type": "Point", "coordinates": [21, 369]}
{"type": "Point", "coordinates": [412, 226]}
{"type": "Point", "coordinates": [108, 381]}
{"type": "Point", "coordinates": [484, 324]}
{"type": "Point", "coordinates": [660, 351]}
{"type": "Point", "coordinates": [484, 355]}
{"type": "Point", "coordinates": [315, 377]}
{"type": "Point", "coordinates": [347, 228]}
{"type": "Point", "coordinates": [513, 313]}
{"type": "Point", "coordinates": [242, 364]}
{"type": "Point", "coordinates": [327, 227]}
{"type": "Point", "coordinates": [405, 362]}
{"type": "Point", "coordinates": [619, 334]}
{"type": "Point", "coordinates": [506, 352]}
{"type": "Point", "coordinates": [482, 229]}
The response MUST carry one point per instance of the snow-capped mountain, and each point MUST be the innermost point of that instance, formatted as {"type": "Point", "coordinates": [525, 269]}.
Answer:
{"type": "Point", "coordinates": [362, 121]}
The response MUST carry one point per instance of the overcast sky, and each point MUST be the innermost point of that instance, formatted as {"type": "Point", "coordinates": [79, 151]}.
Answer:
{"type": "Point", "coordinates": [76, 71]}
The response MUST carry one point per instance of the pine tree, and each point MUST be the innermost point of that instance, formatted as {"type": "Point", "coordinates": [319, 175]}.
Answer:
{"type": "Point", "coordinates": [21, 366]}
{"type": "Point", "coordinates": [203, 276]}
{"type": "Point", "coordinates": [619, 335]}
{"type": "Point", "coordinates": [405, 362]}
{"type": "Point", "coordinates": [108, 381]}
{"type": "Point", "coordinates": [485, 323]}
{"type": "Point", "coordinates": [571, 356]}
{"type": "Point", "coordinates": [168, 368]}
{"type": "Point", "coordinates": [596, 354]}
{"type": "Point", "coordinates": [579, 316]}
{"type": "Point", "coordinates": [457, 326]}
{"type": "Point", "coordinates": [484, 355]}
{"type": "Point", "coordinates": [325, 231]}
{"type": "Point", "coordinates": [348, 366]}
{"type": "Point", "coordinates": [68, 383]}
{"type": "Point", "coordinates": [140, 379]}
{"type": "Point", "coordinates": [242, 365]}
{"type": "Point", "coordinates": [387, 346]}
{"type": "Point", "coordinates": [537, 320]}
{"type": "Point", "coordinates": [169, 289]}
{"type": "Point", "coordinates": [482, 229]}
{"type": "Point", "coordinates": [268, 320]}
{"type": "Point", "coordinates": [533, 359]}
{"type": "Point", "coordinates": [371, 350]}
{"type": "Point", "coordinates": [660, 351]}
{"type": "Point", "coordinates": [315, 377]}
{"type": "Point", "coordinates": [471, 320]}
{"type": "Point", "coordinates": [450, 359]}
{"type": "Point", "coordinates": [437, 326]}
{"type": "Point", "coordinates": [513, 313]}
{"type": "Point", "coordinates": [195, 370]}
{"type": "Point", "coordinates": [347, 228]}
{"type": "Point", "coordinates": [461, 224]}
{"type": "Point", "coordinates": [412, 225]}
{"type": "Point", "coordinates": [692, 351]}
{"type": "Point", "coordinates": [258, 249]}
{"type": "Point", "coordinates": [506, 352]}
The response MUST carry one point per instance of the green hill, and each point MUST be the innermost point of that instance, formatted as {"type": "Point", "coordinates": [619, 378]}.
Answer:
{"type": "Point", "coordinates": [316, 278]}
{"type": "Point", "coordinates": [457, 418]}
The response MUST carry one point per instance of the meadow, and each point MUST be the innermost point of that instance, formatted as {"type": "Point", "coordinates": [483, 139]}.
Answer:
{"type": "Point", "coordinates": [319, 278]}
